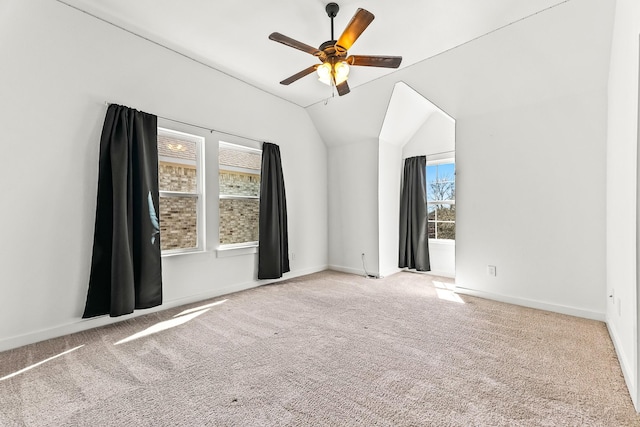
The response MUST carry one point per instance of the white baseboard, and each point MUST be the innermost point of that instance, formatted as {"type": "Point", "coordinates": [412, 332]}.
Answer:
{"type": "Point", "coordinates": [625, 365]}
{"type": "Point", "coordinates": [387, 273]}
{"type": "Point", "coordinates": [556, 308]}
{"type": "Point", "coordinates": [441, 274]}
{"type": "Point", "coordinates": [430, 273]}
{"type": "Point", "coordinates": [95, 322]}
{"type": "Point", "coordinates": [390, 272]}
{"type": "Point", "coordinates": [349, 270]}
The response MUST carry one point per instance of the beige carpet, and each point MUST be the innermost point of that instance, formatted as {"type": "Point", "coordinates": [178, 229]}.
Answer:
{"type": "Point", "coordinates": [329, 349]}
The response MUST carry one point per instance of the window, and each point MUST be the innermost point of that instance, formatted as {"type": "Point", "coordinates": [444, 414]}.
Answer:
{"type": "Point", "coordinates": [239, 178]}
{"type": "Point", "coordinates": [441, 203]}
{"type": "Point", "coordinates": [181, 191]}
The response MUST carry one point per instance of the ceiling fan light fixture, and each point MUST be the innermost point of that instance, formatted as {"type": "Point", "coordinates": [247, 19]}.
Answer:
{"type": "Point", "coordinates": [324, 73]}
{"type": "Point", "coordinates": [333, 74]}
{"type": "Point", "coordinates": [341, 72]}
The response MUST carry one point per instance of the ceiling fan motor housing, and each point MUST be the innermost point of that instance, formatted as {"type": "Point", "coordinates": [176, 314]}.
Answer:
{"type": "Point", "coordinates": [332, 52]}
{"type": "Point", "coordinates": [332, 10]}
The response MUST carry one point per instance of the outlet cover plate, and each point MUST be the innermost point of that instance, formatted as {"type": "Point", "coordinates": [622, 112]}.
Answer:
{"type": "Point", "coordinates": [491, 270]}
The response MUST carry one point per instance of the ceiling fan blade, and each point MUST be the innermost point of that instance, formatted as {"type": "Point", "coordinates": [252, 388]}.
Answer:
{"type": "Point", "coordinates": [375, 61]}
{"type": "Point", "coordinates": [281, 38]}
{"type": "Point", "coordinates": [299, 75]}
{"type": "Point", "coordinates": [356, 26]}
{"type": "Point", "coordinates": [343, 88]}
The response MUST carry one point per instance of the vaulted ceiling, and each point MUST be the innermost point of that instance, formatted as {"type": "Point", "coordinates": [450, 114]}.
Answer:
{"type": "Point", "coordinates": [232, 36]}
{"type": "Point", "coordinates": [467, 57]}
{"type": "Point", "coordinates": [556, 54]}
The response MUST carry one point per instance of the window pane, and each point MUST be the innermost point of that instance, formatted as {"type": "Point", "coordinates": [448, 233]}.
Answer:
{"type": "Point", "coordinates": [432, 173]}
{"type": "Point", "coordinates": [239, 184]}
{"type": "Point", "coordinates": [431, 230]}
{"type": "Point", "coordinates": [178, 223]}
{"type": "Point", "coordinates": [172, 177]}
{"type": "Point", "coordinates": [446, 212]}
{"type": "Point", "coordinates": [176, 164]}
{"type": "Point", "coordinates": [441, 189]}
{"type": "Point", "coordinates": [431, 212]}
{"type": "Point", "coordinates": [441, 186]}
{"type": "Point", "coordinates": [441, 182]}
{"type": "Point", "coordinates": [447, 179]}
{"type": "Point", "coordinates": [446, 230]}
{"type": "Point", "coordinates": [239, 158]}
{"type": "Point", "coordinates": [238, 220]}
{"type": "Point", "coordinates": [446, 171]}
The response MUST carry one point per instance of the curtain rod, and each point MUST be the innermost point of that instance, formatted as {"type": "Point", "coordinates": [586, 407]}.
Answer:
{"type": "Point", "coordinates": [107, 103]}
{"type": "Point", "coordinates": [442, 152]}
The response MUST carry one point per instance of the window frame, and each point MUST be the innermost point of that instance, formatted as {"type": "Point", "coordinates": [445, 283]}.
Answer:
{"type": "Point", "coordinates": [442, 161]}
{"type": "Point", "coordinates": [199, 194]}
{"type": "Point", "coordinates": [230, 249]}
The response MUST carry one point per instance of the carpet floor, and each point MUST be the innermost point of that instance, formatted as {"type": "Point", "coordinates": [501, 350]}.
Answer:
{"type": "Point", "coordinates": [328, 349]}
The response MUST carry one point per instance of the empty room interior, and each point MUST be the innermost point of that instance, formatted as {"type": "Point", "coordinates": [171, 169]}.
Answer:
{"type": "Point", "coordinates": [523, 113]}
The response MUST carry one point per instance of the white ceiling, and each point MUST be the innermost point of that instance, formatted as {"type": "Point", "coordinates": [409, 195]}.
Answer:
{"type": "Point", "coordinates": [406, 113]}
{"type": "Point", "coordinates": [232, 36]}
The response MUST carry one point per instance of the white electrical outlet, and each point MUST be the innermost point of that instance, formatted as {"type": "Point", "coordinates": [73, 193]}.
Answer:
{"type": "Point", "coordinates": [491, 270]}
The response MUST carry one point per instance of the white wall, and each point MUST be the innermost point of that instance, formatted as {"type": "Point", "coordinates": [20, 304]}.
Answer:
{"type": "Point", "coordinates": [389, 190]}
{"type": "Point", "coordinates": [59, 67]}
{"type": "Point", "coordinates": [436, 139]}
{"type": "Point", "coordinates": [530, 190]}
{"type": "Point", "coordinates": [353, 207]}
{"type": "Point", "coordinates": [437, 135]}
{"type": "Point", "coordinates": [622, 191]}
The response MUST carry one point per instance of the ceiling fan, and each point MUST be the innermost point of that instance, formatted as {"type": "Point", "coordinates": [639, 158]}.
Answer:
{"type": "Point", "coordinates": [334, 66]}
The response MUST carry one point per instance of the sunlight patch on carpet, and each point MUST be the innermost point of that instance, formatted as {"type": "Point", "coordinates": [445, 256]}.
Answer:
{"type": "Point", "coordinates": [163, 326]}
{"type": "Point", "coordinates": [191, 310]}
{"type": "Point", "coordinates": [445, 292]}
{"type": "Point", "coordinates": [35, 365]}
{"type": "Point", "coordinates": [448, 295]}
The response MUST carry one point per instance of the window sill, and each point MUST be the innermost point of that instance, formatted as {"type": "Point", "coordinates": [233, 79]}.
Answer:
{"type": "Point", "coordinates": [189, 252]}
{"type": "Point", "coordinates": [442, 242]}
{"type": "Point", "coordinates": [223, 252]}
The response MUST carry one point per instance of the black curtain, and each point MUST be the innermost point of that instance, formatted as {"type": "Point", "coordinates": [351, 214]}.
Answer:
{"type": "Point", "coordinates": [125, 267]}
{"type": "Point", "coordinates": [414, 241]}
{"type": "Point", "coordinates": [273, 249]}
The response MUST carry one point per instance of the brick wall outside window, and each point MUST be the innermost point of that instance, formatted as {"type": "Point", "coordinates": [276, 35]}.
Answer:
{"type": "Point", "coordinates": [239, 184]}
{"type": "Point", "coordinates": [178, 223]}
{"type": "Point", "coordinates": [239, 175]}
{"type": "Point", "coordinates": [177, 172]}
{"type": "Point", "coordinates": [173, 177]}
{"type": "Point", "coordinates": [239, 220]}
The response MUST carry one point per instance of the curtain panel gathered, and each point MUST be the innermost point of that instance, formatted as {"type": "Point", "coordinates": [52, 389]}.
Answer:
{"type": "Point", "coordinates": [414, 241]}
{"type": "Point", "coordinates": [273, 240]}
{"type": "Point", "coordinates": [126, 269]}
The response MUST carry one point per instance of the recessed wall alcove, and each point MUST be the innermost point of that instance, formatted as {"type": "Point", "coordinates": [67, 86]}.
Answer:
{"type": "Point", "coordinates": [412, 126]}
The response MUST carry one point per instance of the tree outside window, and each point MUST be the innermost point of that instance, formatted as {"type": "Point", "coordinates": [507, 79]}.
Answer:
{"type": "Point", "coordinates": [441, 195]}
